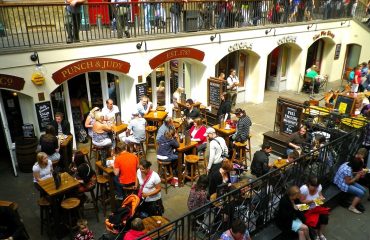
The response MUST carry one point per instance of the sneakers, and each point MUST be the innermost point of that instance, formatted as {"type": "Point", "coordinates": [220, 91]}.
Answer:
{"type": "Point", "coordinates": [354, 210]}
{"type": "Point", "coordinates": [118, 197]}
{"type": "Point", "coordinates": [321, 237]}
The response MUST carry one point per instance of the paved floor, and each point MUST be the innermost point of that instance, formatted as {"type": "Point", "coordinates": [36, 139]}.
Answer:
{"type": "Point", "coordinates": [343, 224]}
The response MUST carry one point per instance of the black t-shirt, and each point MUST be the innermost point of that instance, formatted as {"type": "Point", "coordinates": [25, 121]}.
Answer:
{"type": "Point", "coordinates": [297, 139]}
{"type": "Point", "coordinates": [193, 114]}
{"type": "Point", "coordinates": [48, 143]}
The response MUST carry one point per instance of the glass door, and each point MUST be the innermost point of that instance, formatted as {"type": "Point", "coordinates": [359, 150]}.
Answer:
{"type": "Point", "coordinates": [277, 69]}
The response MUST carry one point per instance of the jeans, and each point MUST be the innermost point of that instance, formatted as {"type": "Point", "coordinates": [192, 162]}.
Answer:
{"type": "Point", "coordinates": [357, 190]}
{"type": "Point", "coordinates": [119, 186]}
{"type": "Point", "coordinates": [147, 16]}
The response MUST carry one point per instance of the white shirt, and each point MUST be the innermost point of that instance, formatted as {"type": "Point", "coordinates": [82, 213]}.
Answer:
{"type": "Point", "coordinates": [110, 114]}
{"type": "Point", "coordinates": [44, 172]}
{"type": "Point", "coordinates": [140, 108]}
{"type": "Point", "coordinates": [150, 185]}
{"type": "Point", "coordinates": [230, 81]}
{"type": "Point", "coordinates": [215, 151]}
{"type": "Point", "coordinates": [309, 197]}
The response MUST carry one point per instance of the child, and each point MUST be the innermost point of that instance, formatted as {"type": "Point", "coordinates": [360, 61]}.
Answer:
{"type": "Point", "coordinates": [83, 233]}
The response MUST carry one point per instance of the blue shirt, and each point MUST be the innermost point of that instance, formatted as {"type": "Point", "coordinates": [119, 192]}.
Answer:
{"type": "Point", "coordinates": [166, 146]}
{"type": "Point", "coordinates": [343, 171]}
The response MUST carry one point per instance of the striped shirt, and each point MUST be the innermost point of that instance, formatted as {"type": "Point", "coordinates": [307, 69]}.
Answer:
{"type": "Point", "coordinates": [343, 171]}
{"type": "Point", "coordinates": [242, 129]}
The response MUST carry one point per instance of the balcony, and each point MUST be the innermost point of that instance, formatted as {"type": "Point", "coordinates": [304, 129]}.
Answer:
{"type": "Point", "coordinates": [25, 26]}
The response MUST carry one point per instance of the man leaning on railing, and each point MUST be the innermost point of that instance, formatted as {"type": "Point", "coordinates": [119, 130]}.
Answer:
{"type": "Point", "coordinates": [73, 20]}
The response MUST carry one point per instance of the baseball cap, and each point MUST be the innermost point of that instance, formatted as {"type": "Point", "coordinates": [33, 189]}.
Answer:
{"type": "Point", "coordinates": [209, 130]}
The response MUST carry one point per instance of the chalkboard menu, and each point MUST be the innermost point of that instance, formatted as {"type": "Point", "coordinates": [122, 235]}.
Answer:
{"type": "Point", "coordinates": [215, 89]}
{"type": "Point", "coordinates": [44, 114]}
{"type": "Point", "coordinates": [337, 51]}
{"type": "Point", "coordinates": [344, 104]}
{"type": "Point", "coordinates": [291, 120]}
{"type": "Point", "coordinates": [141, 90]}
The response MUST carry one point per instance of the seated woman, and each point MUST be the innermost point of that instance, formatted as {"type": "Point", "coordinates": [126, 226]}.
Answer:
{"type": "Point", "coordinates": [197, 132]}
{"type": "Point", "coordinates": [100, 135]}
{"type": "Point", "coordinates": [42, 169]}
{"type": "Point", "coordinates": [167, 145]}
{"type": "Point", "coordinates": [90, 120]}
{"type": "Point", "coordinates": [49, 144]}
{"type": "Point", "coordinates": [150, 189]}
{"type": "Point", "coordinates": [347, 183]}
{"type": "Point", "coordinates": [216, 178]}
{"type": "Point", "coordinates": [317, 215]}
{"type": "Point", "coordinates": [289, 218]}
{"type": "Point", "coordinates": [83, 173]}
{"type": "Point", "coordinates": [198, 193]}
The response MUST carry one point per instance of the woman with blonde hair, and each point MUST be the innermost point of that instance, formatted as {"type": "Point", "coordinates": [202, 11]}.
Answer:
{"type": "Point", "coordinates": [100, 135]}
{"type": "Point", "coordinates": [43, 168]}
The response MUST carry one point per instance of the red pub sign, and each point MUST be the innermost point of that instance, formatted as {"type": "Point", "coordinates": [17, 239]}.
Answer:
{"type": "Point", "coordinates": [89, 65]}
{"type": "Point", "coordinates": [174, 54]}
{"type": "Point", "coordinates": [11, 82]}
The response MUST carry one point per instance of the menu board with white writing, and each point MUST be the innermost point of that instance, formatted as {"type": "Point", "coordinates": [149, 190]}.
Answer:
{"type": "Point", "coordinates": [141, 90]}
{"type": "Point", "coordinates": [215, 89]}
{"type": "Point", "coordinates": [291, 120]}
{"type": "Point", "coordinates": [44, 114]}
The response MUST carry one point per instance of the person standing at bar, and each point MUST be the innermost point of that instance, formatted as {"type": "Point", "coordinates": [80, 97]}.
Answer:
{"type": "Point", "coordinates": [232, 86]}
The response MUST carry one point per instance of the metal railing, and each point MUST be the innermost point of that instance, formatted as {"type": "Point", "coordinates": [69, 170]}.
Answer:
{"type": "Point", "coordinates": [257, 201]}
{"type": "Point", "coordinates": [28, 25]}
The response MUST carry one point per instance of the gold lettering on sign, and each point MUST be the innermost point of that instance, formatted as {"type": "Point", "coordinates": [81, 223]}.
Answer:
{"type": "Point", "coordinates": [287, 39]}
{"type": "Point", "coordinates": [86, 66]}
{"type": "Point", "coordinates": [241, 45]}
{"type": "Point", "coordinates": [323, 34]}
{"type": "Point", "coordinates": [6, 82]}
{"type": "Point", "coordinates": [177, 53]}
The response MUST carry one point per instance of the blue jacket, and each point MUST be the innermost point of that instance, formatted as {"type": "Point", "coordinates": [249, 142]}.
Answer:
{"type": "Point", "coordinates": [166, 146]}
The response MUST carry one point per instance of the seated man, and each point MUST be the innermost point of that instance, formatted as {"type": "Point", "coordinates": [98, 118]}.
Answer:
{"type": "Point", "coordinates": [191, 112]}
{"type": "Point", "coordinates": [144, 106]}
{"type": "Point", "coordinates": [109, 111]}
{"type": "Point", "coordinates": [135, 130]}
{"type": "Point", "coordinates": [238, 230]}
{"type": "Point", "coordinates": [125, 168]}
{"type": "Point", "coordinates": [167, 125]}
{"type": "Point", "coordinates": [260, 163]}
{"type": "Point", "coordinates": [61, 125]}
{"type": "Point", "coordinates": [297, 140]}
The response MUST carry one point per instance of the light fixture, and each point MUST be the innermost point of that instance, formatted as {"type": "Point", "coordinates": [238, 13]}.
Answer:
{"type": "Point", "coordinates": [213, 37]}
{"type": "Point", "coordinates": [38, 75]}
{"type": "Point", "coordinates": [310, 26]}
{"type": "Point", "coordinates": [140, 44]}
{"type": "Point", "coordinates": [269, 30]}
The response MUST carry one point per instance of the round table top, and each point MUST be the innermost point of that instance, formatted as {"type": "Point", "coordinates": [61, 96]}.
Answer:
{"type": "Point", "coordinates": [357, 122]}
{"type": "Point", "coordinates": [316, 111]}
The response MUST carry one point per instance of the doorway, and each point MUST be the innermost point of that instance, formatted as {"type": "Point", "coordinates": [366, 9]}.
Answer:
{"type": "Point", "coordinates": [277, 69]}
{"type": "Point", "coordinates": [315, 53]}
{"type": "Point", "coordinates": [352, 58]}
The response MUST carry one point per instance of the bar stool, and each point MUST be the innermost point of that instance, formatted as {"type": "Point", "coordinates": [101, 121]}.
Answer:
{"type": "Point", "coordinates": [95, 205]}
{"type": "Point", "coordinates": [151, 133]}
{"type": "Point", "coordinates": [242, 148]}
{"type": "Point", "coordinates": [102, 191]}
{"type": "Point", "coordinates": [165, 172]}
{"type": "Point", "coordinates": [99, 149]}
{"type": "Point", "coordinates": [45, 209]}
{"type": "Point", "coordinates": [139, 150]}
{"type": "Point", "coordinates": [86, 154]}
{"type": "Point", "coordinates": [203, 160]}
{"type": "Point", "coordinates": [203, 112]}
{"type": "Point", "coordinates": [69, 205]}
{"type": "Point", "coordinates": [192, 160]}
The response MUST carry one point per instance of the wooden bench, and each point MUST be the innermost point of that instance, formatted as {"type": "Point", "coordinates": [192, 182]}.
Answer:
{"type": "Point", "coordinates": [279, 142]}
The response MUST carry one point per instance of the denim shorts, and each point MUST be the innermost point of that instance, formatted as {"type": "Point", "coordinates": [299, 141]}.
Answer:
{"type": "Point", "coordinates": [296, 225]}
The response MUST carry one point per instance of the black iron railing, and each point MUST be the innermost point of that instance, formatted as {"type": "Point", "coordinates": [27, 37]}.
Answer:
{"type": "Point", "coordinates": [256, 202]}
{"type": "Point", "coordinates": [28, 25]}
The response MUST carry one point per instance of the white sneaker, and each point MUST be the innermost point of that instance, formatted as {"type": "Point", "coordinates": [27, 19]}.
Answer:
{"type": "Point", "coordinates": [354, 210]}
{"type": "Point", "coordinates": [322, 237]}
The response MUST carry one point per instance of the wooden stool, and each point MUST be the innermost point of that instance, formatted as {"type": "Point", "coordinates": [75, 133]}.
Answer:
{"type": "Point", "coordinates": [69, 205]}
{"type": "Point", "coordinates": [45, 209]}
{"type": "Point", "coordinates": [95, 205]}
{"type": "Point", "coordinates": [192, 160]}
{"type": "Point", "coordinates": [203, 112]}
{"type": "Point", "coordinates": [102, 192]}
{"type": "Point", "coordinates": [242, 149]}
{"type": "Point", "coordinates": [85, 151]}
{"type": "Point", "coordinates": [203, 160]}
{"type": "Point", "coordinates": [139, 150]}
{"type": "Point", "coordinates": [165, 172]}
{"type": "Point", "coordinates": [151, 134]}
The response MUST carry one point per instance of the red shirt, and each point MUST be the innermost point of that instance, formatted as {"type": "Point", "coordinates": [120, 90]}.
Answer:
{"type": "Point", "coordinates": [357, 79]}
{"type": "Point", "coordinates": [199, 134]}
{"type": "Point", "coordinates": [127, 164]}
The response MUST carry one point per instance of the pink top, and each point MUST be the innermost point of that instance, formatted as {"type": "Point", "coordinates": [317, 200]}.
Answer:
{"type": "Point", "coordinates": [199, 134]}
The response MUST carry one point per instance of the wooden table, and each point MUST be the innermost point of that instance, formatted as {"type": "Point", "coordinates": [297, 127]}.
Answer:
{"type": "Point", "coordinates": [183, 105]}
{"type": "Point", "coordinates": [356, 122]}
{"type": "Point", "coordinates": [154, 222]}
{"type": "Point", "coordinates": [225, 133]}
{"type": "Point", "coordinates": [119, 129]}
{"type": "Point", "coordinates": [319, 113]}
{"type": "Point", "coordinates": [156, 116]}
{"type": "Point", "coordinates": [278, 163]}
{"type": "Point", "coordinates": [109, 171]}
{"type": "Point", "coordinates": [66, 151]}
{"type": "Point", "coordinates": [180, 151]}
{"type": "Point", "coordinates": [67, 183]}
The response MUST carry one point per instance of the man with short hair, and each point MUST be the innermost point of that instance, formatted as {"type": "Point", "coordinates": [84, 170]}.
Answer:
{"type": "Point", "coordinates": [217, 150]}
{"type": "Point", "coordinates": [61, 125]}
{"type": "Point", "coordinates": [135, 129]}
{"type": "Point", "coordinates": [232, 86]}
{"type": "Point", "coordinates": [238, 231]}
{"type": "Point", "coordinates": [125, 167]}
{"type": "Point", "coordinates": [167, 125]}
{"type": "Point", "coordinates": [144, 106]}
{"type": "Point", "coordinates": [110, 110]}
{"type": "Point", "coordinates": [260, 163]}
